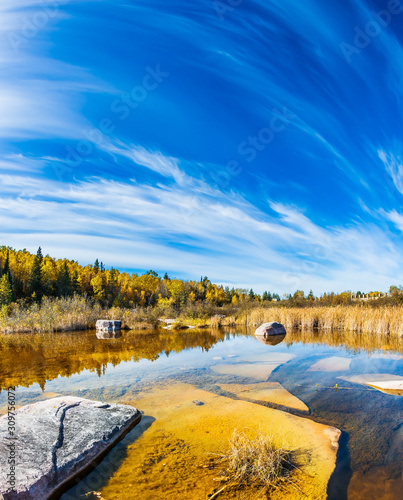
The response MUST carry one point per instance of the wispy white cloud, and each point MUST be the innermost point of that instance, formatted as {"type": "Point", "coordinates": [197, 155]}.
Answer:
{"type": "Point", "coordinates": [393, 163]}
{"type": "Point", "coordinates": [40, 96]}
{"type": "Point", "coordinates": [396, 218]}
{"type": "Point", "coordinates": [141, 226]}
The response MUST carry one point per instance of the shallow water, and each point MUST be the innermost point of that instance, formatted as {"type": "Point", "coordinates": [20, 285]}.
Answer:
{"type": "Point", "coordinates": [313, 367]}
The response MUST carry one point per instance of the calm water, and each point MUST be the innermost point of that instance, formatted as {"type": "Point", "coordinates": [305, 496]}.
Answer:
{"type": "Point", "coordinates": [115, 370]}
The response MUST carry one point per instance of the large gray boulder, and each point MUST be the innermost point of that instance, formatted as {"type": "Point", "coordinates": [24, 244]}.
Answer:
{"type": "Point", "coordinates": [107, 325]}
{"type": "Point", "coordinates": [56, 440]}
{"type": "Point", "coordinates": [268, 329]}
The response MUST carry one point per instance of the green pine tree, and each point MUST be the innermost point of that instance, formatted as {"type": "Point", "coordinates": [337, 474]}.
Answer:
{"type": "Point", "coordinates": [6, 292]}
{"type": "Point", "coordinates": [6, 268]}
{"type": "Point", "coordinates": [75, 284]}
{"type": "Point", "coordinates": [7, 272]}
{"type": "Point", "coordinates": [35, 282]}
{"type": "Point", "coordinates": [64, 286]}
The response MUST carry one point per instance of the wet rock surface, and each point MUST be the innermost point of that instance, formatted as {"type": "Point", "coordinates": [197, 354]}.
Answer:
{"type": "Point", "coordinates": [106, 325]}
{"type": "Point", "coordinates": [269, 329]}
{"type": "Point", "coordinates": [58, 439]}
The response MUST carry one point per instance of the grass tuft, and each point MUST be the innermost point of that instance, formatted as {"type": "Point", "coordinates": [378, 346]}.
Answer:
{"type": "Point", "coordinates": [253, 459]}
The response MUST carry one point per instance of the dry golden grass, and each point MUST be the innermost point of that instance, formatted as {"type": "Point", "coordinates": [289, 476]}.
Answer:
{"type": "Point", "coordinates": [254, 459]}
{"type": "Point", "coordinates": [79, 313]}
{"type": "Point", "coordinates": [381, 320]}
{"type": "Point", "coordinates": [52, 315]}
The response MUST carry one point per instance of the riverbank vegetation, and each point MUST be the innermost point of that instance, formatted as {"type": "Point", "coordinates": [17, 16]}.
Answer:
{"type": "Point", "coordinates": [42, 294]}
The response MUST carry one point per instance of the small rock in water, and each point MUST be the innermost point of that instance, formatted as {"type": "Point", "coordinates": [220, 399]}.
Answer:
{"type": "Point", "coordinates": [106, 325]}
{"type": "Point", "coordinates": [198, 403]}
{"type": "Point", "coordinates": [272, 328]}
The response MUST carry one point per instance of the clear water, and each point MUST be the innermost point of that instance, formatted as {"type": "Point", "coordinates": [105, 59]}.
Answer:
{"type": "Point", "coordinates": [114, 370]}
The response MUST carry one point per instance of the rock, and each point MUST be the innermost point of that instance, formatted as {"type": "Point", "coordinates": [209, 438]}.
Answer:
{"type": "Point", "coordinates": [185, 436]}
{"type": "Point", "coordinates": [167, 321]}
{"type": "Point", "coordinates": [268, 329]}
{"type": "Point", "coordinates": [58, 439]}
{"type": "Point", "coordinates": [257, 371]}
{"type": "Point", "coordinates": [331, 364]}
{"type": "Point", "coordinates": [388, 385]}
{"type": "Point", "coordinates": [272, 392]}
{"type": "Point", "coordinates": [385, 382]}
{"type": "Point", "coordinates": [106, 325]}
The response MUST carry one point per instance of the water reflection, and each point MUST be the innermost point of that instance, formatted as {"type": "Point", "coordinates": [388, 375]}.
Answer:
{"type": "Point", "coordinates": [27, 359]}
{"type": "Point", "coordinates": [104, 335]}
{"type": "Point", "coordinates": [270, 339]}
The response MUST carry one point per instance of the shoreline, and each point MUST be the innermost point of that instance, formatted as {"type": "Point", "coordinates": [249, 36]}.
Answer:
{"type": "Point", "coordinates": [69, 315]}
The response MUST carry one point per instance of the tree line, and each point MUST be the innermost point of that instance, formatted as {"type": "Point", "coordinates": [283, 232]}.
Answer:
{"type": "Point", "coordinates": [29, 277]}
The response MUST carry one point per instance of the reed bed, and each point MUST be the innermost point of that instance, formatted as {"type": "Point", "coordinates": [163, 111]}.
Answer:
{"type": "Point", "coordinates": [380, 320]}
{"type": "Point", "coordinates": [80, 313]}
{"type": "Point", "coordinates": [75, 313]}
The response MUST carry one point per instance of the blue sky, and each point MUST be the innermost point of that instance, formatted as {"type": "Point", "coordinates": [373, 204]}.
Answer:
{"type": "Point", "coordinates": [258, 142]}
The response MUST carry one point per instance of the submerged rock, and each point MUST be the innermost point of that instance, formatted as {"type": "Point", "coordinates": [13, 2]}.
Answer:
{"type": "Point", "coordinates": [272, 392]}
{"type": "Point", "coordinates": [269, 329]}
{"type": "Point", "coordinates": [388, 385]}
{"type": "Point", "coordinates": [384, 382]}
{"type": "Point", "coordinates": [331, 364]}
{"type": "Point", "coordinates": [257, 371]}
{"type": "Point", "coordinates": [56, 440]}
{"type": "Point", "coordinates": [106, 325]}
{"type": "Point", "coordinates": [168, 460]}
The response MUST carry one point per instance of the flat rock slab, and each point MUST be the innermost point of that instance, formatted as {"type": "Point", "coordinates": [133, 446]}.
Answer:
{"type": "Point", "coordinates": [168, 462]}
{"type": "Point", "coordinates": [332, 364]}
{"type": "Point", "coordinates": [384, 382]}
{"type": "Point", "coordinates": [58, 439]}
{"type": "Point", "coordinates": [277, 358]}
{"type": "Point", "coordinates": [392, 386]}
{"type": "Point", "coordinates": [271, 392]}
{"type": "Point", "coordinates": [256, 371]}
